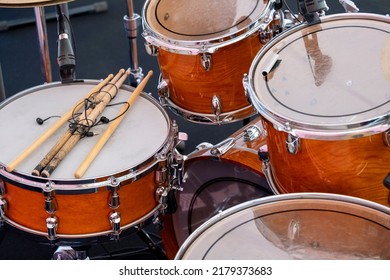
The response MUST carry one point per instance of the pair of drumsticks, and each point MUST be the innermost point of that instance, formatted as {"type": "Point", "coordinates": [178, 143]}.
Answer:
{"type": "Point", "coordinates": [107, 90]}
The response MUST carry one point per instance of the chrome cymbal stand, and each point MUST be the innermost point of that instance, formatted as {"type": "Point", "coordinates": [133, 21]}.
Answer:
{"type": "Point", "coordinates": [131, 22]}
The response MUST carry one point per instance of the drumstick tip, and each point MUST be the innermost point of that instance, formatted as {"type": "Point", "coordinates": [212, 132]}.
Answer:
{"type": "Point", "coordinates": [78, 174]}
{"type": "Point", "coordinates": [9, 168]}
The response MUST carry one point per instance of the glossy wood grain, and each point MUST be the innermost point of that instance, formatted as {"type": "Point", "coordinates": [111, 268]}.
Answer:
{"type": "Point", "coordinates": [354, 167]}
{"type": "Point", "coordinates": [81, 213]}
{"type": "Point", "coordinates": [192, 88]}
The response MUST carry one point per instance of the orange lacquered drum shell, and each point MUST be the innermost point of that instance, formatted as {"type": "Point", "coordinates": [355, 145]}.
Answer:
{"type": "Point", "coordinates": [213, 184]}
{"type": "Point", "coordinates": [327, 85]}
{"type": "Point", "coordinates": [351, 167]}
{"type": "Point", "coordinates": [192, 88]}
{"type": "Point", "coordinates": [82, 205]}
{"type": "Point", "coordinates": [226, 30]}
{"type": "Point", "coordinates": [81, 214]}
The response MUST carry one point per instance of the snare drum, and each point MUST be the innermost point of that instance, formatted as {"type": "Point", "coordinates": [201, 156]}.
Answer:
{"type": "Point", "coordinates": [203, 49]}
{"type": "Point", "coordinates": [216, 178]}
{"type": "Point", "coordinates": [294, 226]}
{"type": "Point", "coordinates": [118, 190]}
{"type": "Point", "coordinates": [324, 94]}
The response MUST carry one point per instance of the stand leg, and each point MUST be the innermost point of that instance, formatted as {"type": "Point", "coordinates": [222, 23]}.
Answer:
{"type": "Point", "coordinates": [152, 245]}
{"type": "Point", "coordinates": [43, 43]}
{"type": "Point", "coordinates": [132, 21]}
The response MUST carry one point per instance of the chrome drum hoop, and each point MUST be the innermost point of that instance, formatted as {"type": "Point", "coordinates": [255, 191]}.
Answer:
{"type": "Point", "coordinates": [204, 46]}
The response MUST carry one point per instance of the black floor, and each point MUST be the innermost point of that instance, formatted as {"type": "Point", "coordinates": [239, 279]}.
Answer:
{"type": "Point", "coordinates": [101, 48]}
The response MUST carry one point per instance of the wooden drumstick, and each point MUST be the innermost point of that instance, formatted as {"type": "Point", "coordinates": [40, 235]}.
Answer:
{"type": "Point", "coordinates": [111, 128]}
{"type": "Point", "coordinates": [41, 139]}
{"type": "Point", "coordinates": [72, 141]}
{"type": "Point", "coordinates": [69, 132]}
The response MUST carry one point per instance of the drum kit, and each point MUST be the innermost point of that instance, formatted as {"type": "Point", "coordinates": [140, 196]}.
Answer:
{"type": "Point", "coordinates": [292, 183]}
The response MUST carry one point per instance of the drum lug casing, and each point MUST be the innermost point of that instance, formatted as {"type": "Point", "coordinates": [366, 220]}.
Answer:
{"type": "Point", "coordinates": [3, 203]}
{"type": "Point", "coordinates": [50, 201]}
{"type": "Point", "coordinates": [151, 49]}
{"type": "Point", "coordinates": [177, 171]}
{"type": "Point", "coordinates": [113, 186]}
{"type": "Point", "coordinates": [252, 133]}
{"type": "Point", "coordinates": [245, 84]}
{"type": "Point", "coordinates": [163, 91]}
{"type": "Point", "coordinates": [206, 61]}
{"type": "Point", "coordinates": [3, 210]}
{"type": "Point", "coordinates": [2, 188]}
{"type": "Point", "coordinates": [216, 105]}
{"type": "Point", "coordinates": [115, 221]}
{"type": "Point", "coordinates": [265, 35]}
{"type": "Point", "coordinates": [52, 224]}
{"type": "Point", "coordinates": [292, 144]}
{"type": "Point", "coordinates": [386, 138]}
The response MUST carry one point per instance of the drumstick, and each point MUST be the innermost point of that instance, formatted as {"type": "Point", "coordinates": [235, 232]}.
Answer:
{"type": "Point", "coordinates": [41, 139]}
{"type": "Point", "coordinates": [69, 132]}
{"type": "Point", "coordinates": [111, 128]}
{"type": "Point", "coordinates": [72, 141]}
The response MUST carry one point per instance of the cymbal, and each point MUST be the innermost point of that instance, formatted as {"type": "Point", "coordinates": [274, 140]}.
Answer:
{"type": "Point", "coordinates": [29, 3]}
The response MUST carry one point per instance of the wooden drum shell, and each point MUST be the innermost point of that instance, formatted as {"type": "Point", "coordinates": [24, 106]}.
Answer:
{"type": "Point", "coordinates": [355, 167]}
{"type": "Point", "coordinates": [192, 87]}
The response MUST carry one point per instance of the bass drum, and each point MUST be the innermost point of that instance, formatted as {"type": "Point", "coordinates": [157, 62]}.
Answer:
{"type": "Point", "coordinates": [294, 226]}
{"type": "Point", "coordinates": [215, 179]}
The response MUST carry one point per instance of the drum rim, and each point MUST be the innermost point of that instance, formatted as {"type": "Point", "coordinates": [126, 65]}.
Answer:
{"type": "Point", "coordinates": [276, 199]}
{"type": "Point", "coordinates": [32, 4]}
{"type": "Point", "coordinates": [90, 184]}
{"type": "Point", "coordinates": [206, 45]}
{"type": "Point", "coordinates": [308, 130]}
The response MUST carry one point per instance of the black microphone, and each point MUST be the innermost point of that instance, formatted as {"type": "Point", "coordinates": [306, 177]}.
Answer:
{"type": "Point", "coordinates": [41, 121]}
{"type": "Point", "coordinates": [311, 9]}
{"type": "Point", "coordinates": [66, 58]}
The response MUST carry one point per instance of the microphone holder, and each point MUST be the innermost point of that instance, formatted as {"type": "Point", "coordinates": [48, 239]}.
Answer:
{"type": "Point", "coordinates": [132, 22]}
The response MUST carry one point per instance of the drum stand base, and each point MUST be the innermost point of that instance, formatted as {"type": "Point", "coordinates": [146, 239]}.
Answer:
{"type": "Point", "coordinates": [153, 247]}
{"type": "Point", "coordinates": [71, 253]}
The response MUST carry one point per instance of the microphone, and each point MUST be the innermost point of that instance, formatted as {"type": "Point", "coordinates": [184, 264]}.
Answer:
{"type": "Point", "coordinates": [40, 121]}
{"type": "Point", "coordinates": [312, 9]}
{"type": "Point", "coordinates": [313, 6]}
{"type": "Point", "coordinates": [66, 58]}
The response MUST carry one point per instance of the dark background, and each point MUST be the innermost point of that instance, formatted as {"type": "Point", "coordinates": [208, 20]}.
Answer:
{"type": "Point", "coordinates": [102, 47]}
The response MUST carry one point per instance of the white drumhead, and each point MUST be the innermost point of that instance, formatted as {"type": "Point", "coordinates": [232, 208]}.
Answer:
{"type": "Point", "coordinates": [201, 20]}
{"type": "Point", "coordinates": [142, 132]}
{"type": "Point", "coordinates": [330, 78]}
{"type": "Point", "coordinates": [294, 226]}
